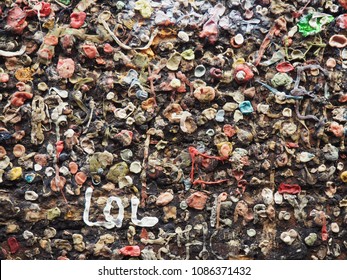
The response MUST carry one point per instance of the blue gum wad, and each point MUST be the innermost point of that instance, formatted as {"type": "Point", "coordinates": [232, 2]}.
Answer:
{"type": "Point", "coordinates": [311, 24]}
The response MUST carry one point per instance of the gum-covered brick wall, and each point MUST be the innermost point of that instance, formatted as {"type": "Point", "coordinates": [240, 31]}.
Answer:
{"type": "Point", "coordinates": [184, 129]}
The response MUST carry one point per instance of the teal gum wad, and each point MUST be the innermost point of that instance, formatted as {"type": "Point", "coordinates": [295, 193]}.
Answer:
{"type": "Point", "coordinates": [246, 107]}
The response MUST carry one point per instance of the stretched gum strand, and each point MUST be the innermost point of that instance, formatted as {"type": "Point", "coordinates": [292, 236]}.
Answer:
{"type": "Point", "coordinates": [88, 197]}
{"type": "Point", "coordinates": [107, 211]}
{"type": "Point", "coordinates": [119, 42]}
{"type": "Point", "coordinates": [11, 54]}
{"type": "Point", "coordinates": [145, 221]}
{"type": "Point", "coordinates": [301, 117]}
{"type": "Point", "coordinates": [193, 153]}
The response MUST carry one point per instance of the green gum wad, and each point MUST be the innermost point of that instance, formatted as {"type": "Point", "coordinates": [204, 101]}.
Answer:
{"type": "Point", "coordinates": [311, 239]}
{"type": "Point", "coordinates": [140, 60]}
{"type": "Point", "coordinates": [65, 2]}
{"type": "Point", "coordinates": [144, 7]}
{"type": "Point", "coordinates": [100, 160]}
{"type": "Point", "coordinates": [117, 171]}
{"type": "Point", "coordinates": [281, 79]}
{"type": "Point", "coordinates": [53, 213]}
{"type": "Point", "coordinates": [188, 54]}
{"type": "Point", "coordinates": [312, 23]}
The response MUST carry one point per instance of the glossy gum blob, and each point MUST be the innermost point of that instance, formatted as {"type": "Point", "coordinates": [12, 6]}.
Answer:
{"type": "Point", "coordinates": [16, 20]}
{"type": "Point", "coordinates": [205, 94]}
{"type": "Point", "coordinates": [284, 67]}
{"type": "Point", "coordinates": [343, 3]}
{"type": "Point", "coordinates": [199, 71]}
{"type": "Point", "coordinates": [80, 178]}
{"type": "Point", "coordinates": [20, 85]}
{"type": "Point", "coordinates": [29, 178]}
{"type": "Point", "coordinates": [288, 188]}
{"type": "Point", "coordinates": [197, 200]}
{"type": "Point", "coordinates": [210, 31]}
{"type": "Point", "coordinates": [18, 135]}
{"type": "Point", "coordinates": [238, 174]}
{"type": "Point", "coordinates": [2, 152]}
{"type": "Point", "coordinates": [4, 77]}
{"type": "Point", "coordinates": [66, 67]}
{"type": "Point", "coordinates": [246, 107]}
{"type": "Point", "coordinates": [58, 183]}
{"type": "Point", "coordinates": [225, 149]}
{"type": "Point", "coordinates": [135, 167]}
{"type": "Point", "coordinates": [59, 148]}
{"type": "Point", "coordinates": [73, 167]}
{"type": "Point", "coordinates": [148, 104]}
{"type": "Point", "coordinates": [45, 9]}
{"type": "Point", "coordinates": [90, 51]}
{"type": "Point", "coordinates": [338, 41]}
{"type": "Point", "coordinates": [331, 62]}
{"type": "Point", "coordinates": [45, 54]}
{"type": "Point", "coordinates": [13, 244]}
{"type": "Point", "coordinates": [15, 173]}
{"type": "Point", "coordinates": [164, 199]}
{"type": "Point", "coordinates": [337, 129]}
{"type": "Point", "coordinates": [19, 97]}
{"type": "Point", "coordinates": [243, 73]}
{"type": "Point", "coordinates": [125, 137]}
{"type": "Point", "coordinates": [249, 92]}
{"type": "Point", "coordinates": [77, 19]}
{"type": "Point", "coordinates": [108, 48]}
{"type": "Point", "coordinates": [51, 40]}
{"type": "Point", "coordinates": [341, 21]}
{"type": "Point", "coordinates": [41, 159]}
{"type": "Point", "coordinates": [133, 251]}
{"type": "Point", "coordinates": [18, 150]}
{"type": "Point", "coordinates": [343, 176]}
{"type": "Point", "coordinates": [343, 98]}
{"type": "Point", "coordinates": [229, 130]}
